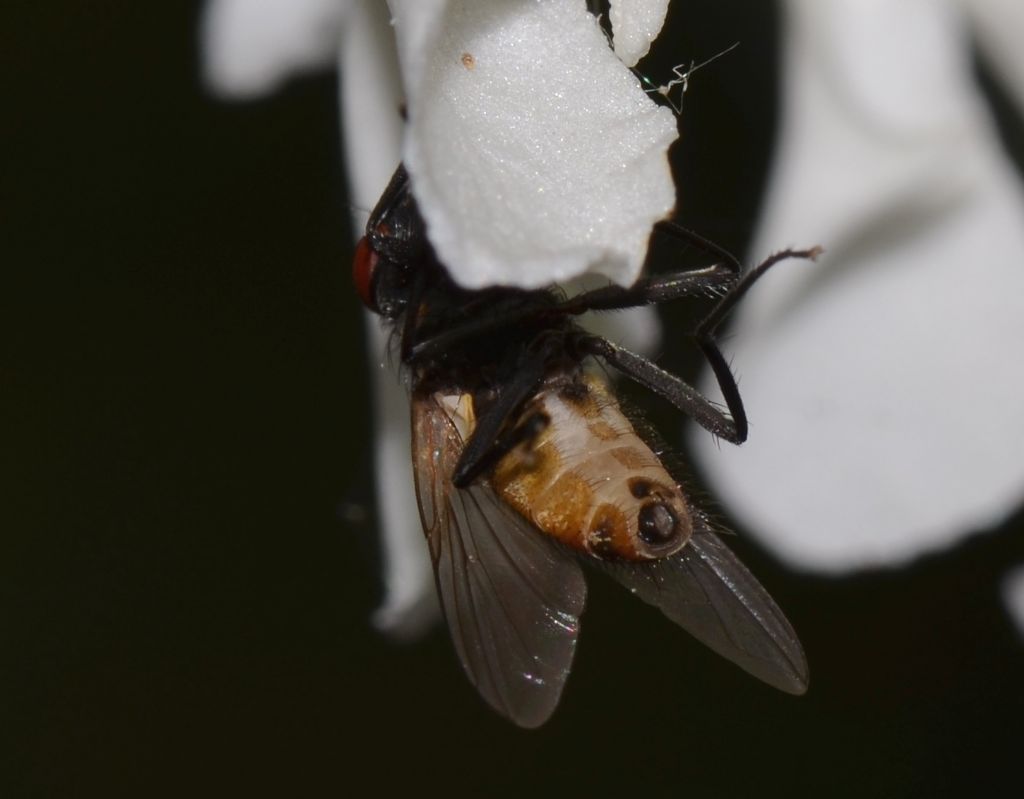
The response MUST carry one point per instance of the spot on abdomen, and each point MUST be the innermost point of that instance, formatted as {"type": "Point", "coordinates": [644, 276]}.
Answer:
{"type": "Point", "coordinates": [608, 531]}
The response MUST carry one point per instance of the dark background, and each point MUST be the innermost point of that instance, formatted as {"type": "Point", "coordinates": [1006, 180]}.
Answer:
{"type": "Point", "coordinates": [183, 611]}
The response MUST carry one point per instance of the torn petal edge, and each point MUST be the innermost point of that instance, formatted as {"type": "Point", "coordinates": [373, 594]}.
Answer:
{"type": "Point", "coordinates": [635, 25]}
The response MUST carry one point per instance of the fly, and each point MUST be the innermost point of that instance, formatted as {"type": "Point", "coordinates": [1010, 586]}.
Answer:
{"type": "Point", "coordinates": [525, 466]}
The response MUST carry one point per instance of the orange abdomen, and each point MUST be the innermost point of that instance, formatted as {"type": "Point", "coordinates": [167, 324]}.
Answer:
{"type": "Point", "coordinates": [590, 481]}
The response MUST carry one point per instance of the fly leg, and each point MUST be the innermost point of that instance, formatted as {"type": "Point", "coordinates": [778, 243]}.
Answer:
{"type": "Point", "coordinates": [713, 280]}
{"type": "Point", "coordinates": [705, 337]}
{"type": "Point", "coordinates": [702, 281]}
{"type": "Point", "coordinates": [698, 281]}
{"type": "Point", "coordinates": [720, 279]}
{"type": "Point", "coordinates": [731, 426]}
{"type": "Point", "coordinates": [486, 446]}
{"type": "Point", "coordinates": [524, 432]}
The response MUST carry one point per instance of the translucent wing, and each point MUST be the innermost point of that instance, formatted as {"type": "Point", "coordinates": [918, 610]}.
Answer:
{"type": "Point", "coordinates": [511, 597]}
{"type": "Point", "coordinates": [707, 591]}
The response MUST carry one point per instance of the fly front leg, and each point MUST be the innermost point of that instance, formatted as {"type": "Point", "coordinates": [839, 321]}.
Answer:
{"type": "Point", "coordinates": [721, 278]}
{"type": "Point", "coordinates": [731, 426]}
{"type": "Point", "coordinates": [705, 336]}
{"type": "Point", "coordinates": [710, 323]}
{"type": "Point", "coordinates": [714, 279]}
{"type": "Point", "coordinates": [699, 282]}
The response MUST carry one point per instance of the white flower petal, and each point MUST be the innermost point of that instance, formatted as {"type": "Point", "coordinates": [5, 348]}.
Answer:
{"type": "Point", "coordinates": [410, 602]}
{"type": "Point", "coordinates": [369, 101]}
{"type": "Point", "coordinates": [636, 329]}
{"type": "Point", "coordinates": [885, 382]}
{"type": "Point", "coordinates": [250, 47]}
{"type": "Point", "coordinates": [635, 24]}
{"type": "Point", "coordinates": [534, 153]}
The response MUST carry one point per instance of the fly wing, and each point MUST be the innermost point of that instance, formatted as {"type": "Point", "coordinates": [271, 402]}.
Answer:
{"type": "Point", "coordinates": [512, 597]}
{"type": "Point", "coordinates": [707, 591]}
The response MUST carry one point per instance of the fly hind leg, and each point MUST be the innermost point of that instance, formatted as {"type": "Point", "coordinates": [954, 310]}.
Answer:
{"type": "Point", "coordinates": [489, 442]}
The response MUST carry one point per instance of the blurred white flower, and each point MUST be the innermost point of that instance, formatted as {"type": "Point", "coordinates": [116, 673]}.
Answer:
{"type": "Point", "coordinates": [1013, 596]}
{"type": "Point", "coordinates": [535, 155]}
{"type": "Point", "coordinates": [885, 384]}
{"type": "Point", "coordinates": [250, 47]}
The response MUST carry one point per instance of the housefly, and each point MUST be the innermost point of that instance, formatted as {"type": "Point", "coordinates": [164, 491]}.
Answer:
{"type": "Point", "coordinates": [525, 466]}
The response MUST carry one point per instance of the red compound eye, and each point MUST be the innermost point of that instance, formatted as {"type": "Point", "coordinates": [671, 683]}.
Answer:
{"type": "Point", "coordinates": [363, 266]}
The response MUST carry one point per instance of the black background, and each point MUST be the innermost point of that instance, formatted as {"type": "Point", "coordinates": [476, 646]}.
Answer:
{"type": "Point", "coordinates": [183, 611]}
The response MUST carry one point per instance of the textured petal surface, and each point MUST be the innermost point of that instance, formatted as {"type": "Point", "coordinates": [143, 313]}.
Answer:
{"type": "Point", "coordinates": [884, 384]}
{"type": "Point", "coordinates": [534, 153]}
{"type": "Point", "coordinates": [250, 47]}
